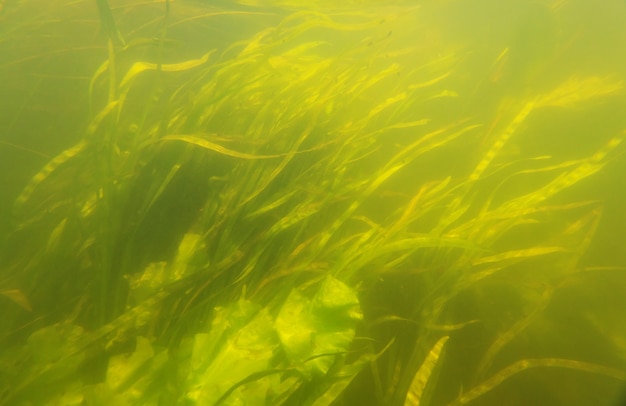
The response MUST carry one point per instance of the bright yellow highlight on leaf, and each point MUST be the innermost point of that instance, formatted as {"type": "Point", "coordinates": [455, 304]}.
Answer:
{"type": "Point", "coordinates": [139, 67]}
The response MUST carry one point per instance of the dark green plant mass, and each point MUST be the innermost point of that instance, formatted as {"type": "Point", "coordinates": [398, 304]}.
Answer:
{"type": "Point", "coordinates": [271, 203]}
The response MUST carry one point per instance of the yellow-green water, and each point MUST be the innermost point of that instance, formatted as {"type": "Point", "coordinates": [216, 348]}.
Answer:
{"type": "Point", "coordinates": [304, 203]}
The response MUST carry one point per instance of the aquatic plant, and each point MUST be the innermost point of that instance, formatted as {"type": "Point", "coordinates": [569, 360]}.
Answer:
{"type": "Point", "coordinates": [287, 219]}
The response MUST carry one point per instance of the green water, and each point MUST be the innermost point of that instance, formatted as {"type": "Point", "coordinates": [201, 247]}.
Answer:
{"type": "Point", "coordinates": [299, 203]}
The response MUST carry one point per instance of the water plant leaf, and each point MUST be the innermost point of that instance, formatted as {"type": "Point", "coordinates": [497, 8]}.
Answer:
{"type": "Point", "coordinates": [139, 67]}
{"type": "Point", "coordinates": [108, 22]}
{"type": "Point", "coordinates": [122, 368]}
{"type": "Point", "coordinates": [522, 365]}
{"type": "Point", "coordinates": [211, 146]}
{"type": "Point", "coordinates": [48, 169]}
{"type": "Point", "coordinates": [310, 331]}
{"type": "Point", "coordinates": [515, 255]}
{"type": "Point", "coordinates": [502, 139]}
{"type": "Point", "coordinates": [423, 375]}
{"type": "Point", "coordinates": [241, 342]}
{"type": "Point", "coordinates": [576, 90]}
{"type": "Point", "coordinates": [18, 297]}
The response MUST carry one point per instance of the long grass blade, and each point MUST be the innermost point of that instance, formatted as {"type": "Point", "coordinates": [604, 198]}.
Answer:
{"type": "Point", "coordinates": [423, 375]}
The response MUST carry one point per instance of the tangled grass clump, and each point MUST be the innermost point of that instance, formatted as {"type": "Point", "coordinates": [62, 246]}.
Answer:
{"type": "Point", "coordinates": [292, 219]}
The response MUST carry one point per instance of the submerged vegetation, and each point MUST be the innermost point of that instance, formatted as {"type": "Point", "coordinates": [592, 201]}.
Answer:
{"type": "Point", "coordinates": [322, 211]}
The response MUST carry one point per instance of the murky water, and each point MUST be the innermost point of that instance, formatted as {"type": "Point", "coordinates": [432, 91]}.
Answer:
{"type": "Point", "coordinates": [300, 203]}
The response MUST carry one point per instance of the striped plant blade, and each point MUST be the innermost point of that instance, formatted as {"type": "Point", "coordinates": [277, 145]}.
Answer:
{"type": "Point", "coordinates": [424, 374]}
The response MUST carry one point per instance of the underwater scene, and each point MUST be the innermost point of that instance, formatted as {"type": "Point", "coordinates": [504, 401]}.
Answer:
{"type": "Point", "coordinates": [320, 202]}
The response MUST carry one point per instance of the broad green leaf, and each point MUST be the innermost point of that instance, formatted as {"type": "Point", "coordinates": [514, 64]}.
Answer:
{"type": "Point", "coordinates": [122, 367]}
{"type": "Point", "coordinates": [313, 331]}
{"type": "Point", "coordinates": [241, 343]}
